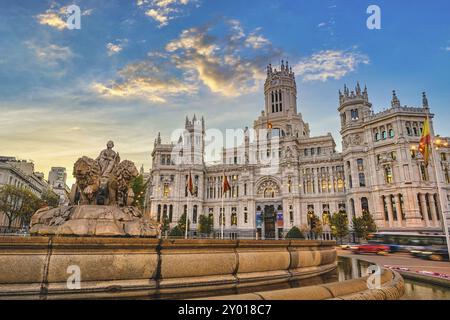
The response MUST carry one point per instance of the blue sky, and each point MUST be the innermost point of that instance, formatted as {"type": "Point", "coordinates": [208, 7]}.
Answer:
{"type": "Point", "coordinates": [138, 67]}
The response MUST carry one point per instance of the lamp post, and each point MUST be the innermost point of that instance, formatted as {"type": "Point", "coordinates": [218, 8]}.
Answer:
{"type": "Point", "coordinates": [310, 221]}
{"type": "Point", "coordinates": [435, 145]}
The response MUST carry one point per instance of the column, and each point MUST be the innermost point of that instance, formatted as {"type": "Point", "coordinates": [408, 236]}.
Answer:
{"type": "Point", "coordinates": [433, 210]}
{"type": "Point", "coordinates": [389, 208]}
{"type": "Point", "coordinates": [423, 204]}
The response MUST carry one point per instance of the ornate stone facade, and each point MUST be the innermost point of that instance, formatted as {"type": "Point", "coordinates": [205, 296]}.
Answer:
{"type": "Point", "coordinates": [379, 169]}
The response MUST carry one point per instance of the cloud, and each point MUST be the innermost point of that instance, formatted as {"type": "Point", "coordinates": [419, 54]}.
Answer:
{"type": "Point", "coordinates": [329, 64]}
{"type": "Point", "coordinates": [56, 16]}
{"type": "Point", "coordinates": [147, 80]}
{"type": "Point", "coordinates": [230, 66]}
{"type": "Point", "coordinates": [51, 54]}
{"type": "Point", "coordinates": [113, 48]}
{"type": "Point", "coordinates": [322, 24]}
{"type": "Point", "coordinates": [162, 11]}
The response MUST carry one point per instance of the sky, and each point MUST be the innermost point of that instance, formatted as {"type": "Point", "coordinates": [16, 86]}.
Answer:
{"type": "Point", "coordinates": [138, 67]}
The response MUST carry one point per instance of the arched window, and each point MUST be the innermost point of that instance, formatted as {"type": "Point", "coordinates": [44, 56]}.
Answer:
{"type": "Point", "coordinates": [391, 133]}
{"type": "Point", "coordinates": [158, 218]}
{"type": "Point", "coordinates": [362, 179]}
{"type": "Point", "coordinates": [194, 215]}
{"type": "Point", "coordinates": [388, 174]}
{"type": "Point", "coordinates": [385, 208]}
{"type": "Point", "coordinates": [364, 204]}
{"type": "Point", "coordinates": [384, 135]}
{"type": "Point", "coordinates": [352, 208]}
{"type": "Point", "coordinates": [377, 136]}
{"type": "Point", "coordinates": [171, 213]}
{"type": "Point", "coordinates": [234, 220]}
{"type": "Point", "coordinates": [165, 212]}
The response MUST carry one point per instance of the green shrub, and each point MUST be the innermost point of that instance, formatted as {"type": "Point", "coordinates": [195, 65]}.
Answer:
{"type": "Point", "coordinates": [295, 233]}
{"type": "Point", "coordinates": [176, 232]}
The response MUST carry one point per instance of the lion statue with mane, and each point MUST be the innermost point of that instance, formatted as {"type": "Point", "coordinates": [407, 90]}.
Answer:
{"type": "Point", "coordinates": [114, 189]}
{"type": "Point", "coordinates": [87, 173]}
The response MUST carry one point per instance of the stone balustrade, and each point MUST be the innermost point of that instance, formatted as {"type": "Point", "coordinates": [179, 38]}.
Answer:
{"type": "Point", "coordinates": [37, 267]}
{"type": "Point", "coordinates": [391, 287]}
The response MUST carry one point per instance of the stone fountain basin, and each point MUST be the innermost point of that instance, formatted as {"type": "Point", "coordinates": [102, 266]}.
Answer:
{"type": "Point", "coordinates": [37, 267]}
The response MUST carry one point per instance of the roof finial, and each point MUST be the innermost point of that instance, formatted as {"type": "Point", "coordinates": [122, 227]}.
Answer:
{"type": "Point", "coordinates": [358, 89]}
{"type": "Point", "coordinates": [425, 100]}
{"type": "Point", "coordinates": [395, 101]}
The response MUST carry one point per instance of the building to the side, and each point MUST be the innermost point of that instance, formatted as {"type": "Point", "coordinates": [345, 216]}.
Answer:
{"type": "Point", "coordinates": [20, 173]}
{"type": "Point", "coordinates": [379, 169]}
{"type": "Point", "coordinates": [57, 179]}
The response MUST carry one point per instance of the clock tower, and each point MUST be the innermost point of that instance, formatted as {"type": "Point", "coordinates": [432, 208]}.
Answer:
{"type": "Point", "coordinates": [280, 99]}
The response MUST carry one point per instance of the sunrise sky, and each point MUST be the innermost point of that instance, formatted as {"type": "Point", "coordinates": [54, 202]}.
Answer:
{"type": "Point", "coordinates": [139, 67]}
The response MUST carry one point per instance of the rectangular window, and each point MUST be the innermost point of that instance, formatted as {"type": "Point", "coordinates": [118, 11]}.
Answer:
{"type": "Point", "coordinates": [423, 172]}
{"type": "Point", "coordinates": [388, 174]}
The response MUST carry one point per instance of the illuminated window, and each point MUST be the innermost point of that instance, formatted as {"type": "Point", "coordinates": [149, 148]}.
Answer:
{"type": "Point", "coordinates": [234, 220]}
{"type": "Point", "coordinates": [388, 174]}
{"type": "Point", "coordinates": [166, 191]}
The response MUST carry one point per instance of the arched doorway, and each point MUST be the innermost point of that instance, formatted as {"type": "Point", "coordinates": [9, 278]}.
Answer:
{"type": "Point", "coordinates": [269, 222]}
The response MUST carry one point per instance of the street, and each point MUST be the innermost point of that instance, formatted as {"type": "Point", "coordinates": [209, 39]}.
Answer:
{"type": "Point", "coordinates": [400, 260]}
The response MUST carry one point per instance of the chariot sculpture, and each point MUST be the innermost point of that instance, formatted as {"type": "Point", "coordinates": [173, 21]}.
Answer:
{"type": "Point", "coordinates": [100, 202]}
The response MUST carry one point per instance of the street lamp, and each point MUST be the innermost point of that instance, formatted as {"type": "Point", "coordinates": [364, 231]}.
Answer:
{"type": "Point", "coordinates": [435, 145]}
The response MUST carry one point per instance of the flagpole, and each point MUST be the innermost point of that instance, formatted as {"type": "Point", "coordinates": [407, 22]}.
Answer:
{"type": "Point", "coordinates": [187, 216]}
{"type": "Point", "coordinates": [440, 192]}
{"type": "Point", "coordinates": [222, 218]}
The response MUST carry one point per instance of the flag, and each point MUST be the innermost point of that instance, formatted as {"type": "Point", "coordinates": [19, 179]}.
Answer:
{"type": "Point", "coordinates": [190, 185]}
{"type": "Point", "coordinates": [425, 142]}
{"type": "Point", "coordinates": [226, 185]}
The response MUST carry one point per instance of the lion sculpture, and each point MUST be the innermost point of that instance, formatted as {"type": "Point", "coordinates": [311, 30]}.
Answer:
{"type": "Point", "coordinates": [113, 190]}
{"type": "Point", "coordinates": [87, 173]}
{"type": "Point", "coordinates": [119, 184]}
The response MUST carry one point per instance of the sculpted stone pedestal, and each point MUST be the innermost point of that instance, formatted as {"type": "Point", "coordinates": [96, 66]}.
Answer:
{"type": "Point", "coordinates": [92, 220]}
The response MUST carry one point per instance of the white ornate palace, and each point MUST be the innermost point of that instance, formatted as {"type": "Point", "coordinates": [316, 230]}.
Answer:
{"type": "Point", "coordinates": [379, 169]}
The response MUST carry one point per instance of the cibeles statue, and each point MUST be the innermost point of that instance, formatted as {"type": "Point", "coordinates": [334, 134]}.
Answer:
{"type": "Point", "coordinates": [108, 159]}
{"type": "Point", "coordinates": [100, 202]}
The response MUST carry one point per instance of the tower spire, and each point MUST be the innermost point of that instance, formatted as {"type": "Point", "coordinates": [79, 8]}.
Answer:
{"type": "Point", "coordinates": [395, 101]}
{"type": "Point", "coordinates": [425, 100]}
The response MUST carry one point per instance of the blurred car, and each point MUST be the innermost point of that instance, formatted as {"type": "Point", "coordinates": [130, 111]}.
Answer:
{"type": "Point", "coordinates": [349, 246]}
{"type": "Point", "coordinates": [372, 248]}
{"type": "Point", "coordinates": [435, 254]}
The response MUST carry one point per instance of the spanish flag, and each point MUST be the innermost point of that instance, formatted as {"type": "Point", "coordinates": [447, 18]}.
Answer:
{"type": "Point", "coordinates": [190, 185]}
{"type": "Point", "coordinates": [425, 142]}
{"type": "Point", "coordinates": [226, 185]}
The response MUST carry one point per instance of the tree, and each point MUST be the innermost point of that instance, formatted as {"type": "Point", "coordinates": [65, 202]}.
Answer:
{"type": "Point", "coordinates": [295, 233]}
{"type": "Point", "coordinates": [18, 203]}
{"type": "Point", "coordinates": [205, 225]}
{"type": "Point", "coordinates": [139, 189]}
{"type": "Point", "coordinates": [165, 226]}
{"type": "Point", "coordinates": [50, 199]}
{"type": "Point", "coordinates": [315, 225]}
{"type": "Point", "coordinates": [339, 225]}
{"type": "Point", "coordinates": [364, 225]}
{"type": "Point", "coordinates": [176, 232]}
{"type": "Point", "coordinates": [358, 227]}
{"type": "Point", "coordinates": [182, 223]}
